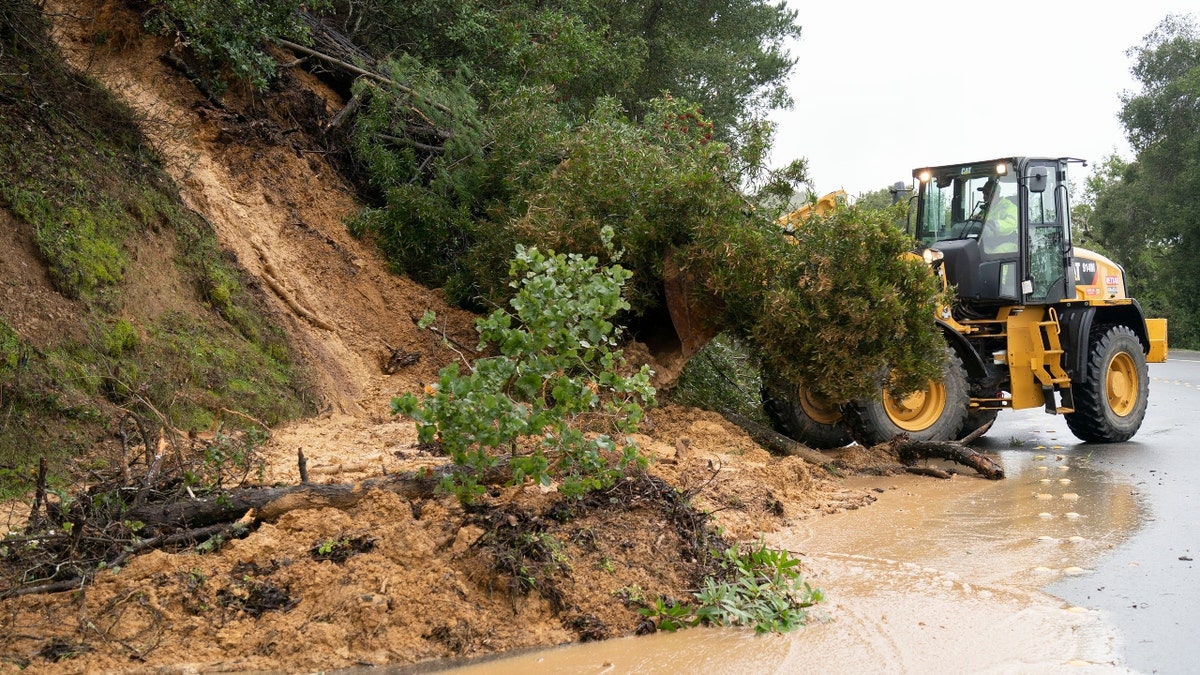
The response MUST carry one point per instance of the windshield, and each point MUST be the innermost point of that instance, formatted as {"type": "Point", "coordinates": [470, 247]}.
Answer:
{"type": "Point", "coordinates": [955, 201]}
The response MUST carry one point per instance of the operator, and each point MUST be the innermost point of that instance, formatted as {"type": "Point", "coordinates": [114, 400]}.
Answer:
{"type": "Point", "coordinates": [1000, 221]}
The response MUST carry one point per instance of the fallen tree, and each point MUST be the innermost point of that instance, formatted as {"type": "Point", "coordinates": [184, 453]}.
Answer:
{"type": "Point", "coordinates": [775, 441]}
{"type": "Point", "coordinates": [907, 450]}
{"type": "Point", "coordinates": [960, 452]}
{"type": "Point", "coordinates": [265, 504]}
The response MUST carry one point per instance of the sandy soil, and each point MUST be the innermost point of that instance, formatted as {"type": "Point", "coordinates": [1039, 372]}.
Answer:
{"type": "Point", "coordinates": [423, 581]}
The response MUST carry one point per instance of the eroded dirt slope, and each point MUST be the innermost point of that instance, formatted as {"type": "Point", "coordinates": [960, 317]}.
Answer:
{"type": "Point", "coordinates": [421, 583]}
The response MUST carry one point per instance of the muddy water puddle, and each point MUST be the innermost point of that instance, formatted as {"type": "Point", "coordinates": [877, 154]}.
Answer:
{"type": "Point", "coordinates": [936, 576]}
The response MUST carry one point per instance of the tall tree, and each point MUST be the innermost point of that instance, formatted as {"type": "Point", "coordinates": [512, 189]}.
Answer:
{"type": "Point", "coordinates": [1149, 218]}
{"type": "Point", "coordinates": [728, 56]}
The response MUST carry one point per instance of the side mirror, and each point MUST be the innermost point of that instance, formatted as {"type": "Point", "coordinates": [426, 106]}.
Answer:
{"type": "Point", "coordinates": [1039, 176]}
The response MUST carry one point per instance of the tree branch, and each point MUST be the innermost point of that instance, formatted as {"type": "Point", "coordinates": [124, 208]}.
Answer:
{"type": "Point", "coordinates": [774, 441]}
{"type": "Point", "coordinates": [359, 71]}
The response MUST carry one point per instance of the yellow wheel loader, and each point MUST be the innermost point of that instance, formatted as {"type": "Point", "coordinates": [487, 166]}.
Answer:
{"type": "Point", "coordinates": [1035, 321]}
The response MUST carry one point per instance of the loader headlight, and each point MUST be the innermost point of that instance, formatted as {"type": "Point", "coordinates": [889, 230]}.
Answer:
{"type": "Point", "coordinates": [931, 256]}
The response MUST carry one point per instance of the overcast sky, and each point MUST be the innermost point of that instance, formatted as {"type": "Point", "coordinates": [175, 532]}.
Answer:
{"type": "Point", "coordinates": [883, 87]}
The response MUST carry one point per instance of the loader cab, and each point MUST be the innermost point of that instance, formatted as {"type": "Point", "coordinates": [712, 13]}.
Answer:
{"type": "Point", "coordinates": [1001, 227]}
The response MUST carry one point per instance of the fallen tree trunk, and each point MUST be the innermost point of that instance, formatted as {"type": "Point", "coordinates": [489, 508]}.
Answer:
{"type": "Point", "coordinates": [774, 441]}
{"type": "Point", "coordinates": [960, 452]}
{"type": "Point", "coordinates": [908, 450]}
{"type": "Point", "coordinates": [929, 471]}
{"type": "Point", "coordinates": [269, 503]}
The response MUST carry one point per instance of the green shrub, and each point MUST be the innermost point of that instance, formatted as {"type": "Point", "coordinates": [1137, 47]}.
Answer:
{"type": "Point", "coordinates": [553, 397]}
{"type": "Point", "coordinates": [830, 306]}
{"type": "Point", "coordinates": [759, 588]}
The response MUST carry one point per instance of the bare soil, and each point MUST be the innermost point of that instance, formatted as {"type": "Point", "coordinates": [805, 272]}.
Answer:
{"type": "Point", "coordinates": [411, 580]}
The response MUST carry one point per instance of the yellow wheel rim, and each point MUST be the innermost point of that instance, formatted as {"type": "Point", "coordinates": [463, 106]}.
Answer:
{"type": "Point", "coordinates": [817, 407]}
{"type": "Point", "coordinates": [1121, 384]}
{"type": "Point", "coordinates": [919, 410]}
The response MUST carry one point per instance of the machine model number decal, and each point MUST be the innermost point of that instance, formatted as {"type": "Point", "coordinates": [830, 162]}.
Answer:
{"type": "Point", "coordinates": [1085, 271]}
{"type": "Point", "coordinates": [1092, 290]}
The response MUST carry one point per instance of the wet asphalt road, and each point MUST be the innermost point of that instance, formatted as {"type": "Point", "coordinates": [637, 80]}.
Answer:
{"type": "Point", "coordinates": [1149, 586]}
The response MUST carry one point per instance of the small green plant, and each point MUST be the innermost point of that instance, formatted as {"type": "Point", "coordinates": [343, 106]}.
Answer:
{"type": "Point", "coordinates": [341, 547]}
{"type": "Point", "coordinates": [671, 615]}
{"type": "Point", "coordinates": [1014, 442]}
{"type": "Point", "coordinates": [556, 374]}
{"type": "Point", "coordinates": [631, 595]}
{"type": "Point", "coordinates": [118, 339]}
{"type": "Point", "coordinates": [229, 458]}
{"type": "Point", "coordinates": [760, 588]}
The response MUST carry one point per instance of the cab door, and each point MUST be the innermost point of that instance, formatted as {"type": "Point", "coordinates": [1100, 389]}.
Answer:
{"type": "Point", "coordinates": [1046, 221]}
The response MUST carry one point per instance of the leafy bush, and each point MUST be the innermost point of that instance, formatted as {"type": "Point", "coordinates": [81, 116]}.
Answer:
{"type": "Point", "coordinates": [657, 183]}
{"type": "Point", "coordinates": [759, 588]}
{"type": "Point", "coordinates": [553, 396]}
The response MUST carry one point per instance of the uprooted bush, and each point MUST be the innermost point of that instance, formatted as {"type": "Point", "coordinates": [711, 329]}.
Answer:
{"type": "Point", "coordinates": [758, 587]}
{"type": "Point", "coordinates": [228, 37]}
{"type": "Point", "coordinates": [723, 376]}
{"type": "Point", "coordinates": [836, 290]}
{"type": "Point", "coordinates": [74, 532]}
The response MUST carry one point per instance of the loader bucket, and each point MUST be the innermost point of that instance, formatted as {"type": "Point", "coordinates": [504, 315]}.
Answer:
{"type": "Point", "coordinates": [687, 325]}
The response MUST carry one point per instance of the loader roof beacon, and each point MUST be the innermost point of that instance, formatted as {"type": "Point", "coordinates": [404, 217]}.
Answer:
{"type": "Point", "coordinates": [1035, 320]}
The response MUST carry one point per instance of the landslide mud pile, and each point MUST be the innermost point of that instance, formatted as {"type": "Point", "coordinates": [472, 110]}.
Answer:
{"type": "Point", "coordinates": [388, 578]}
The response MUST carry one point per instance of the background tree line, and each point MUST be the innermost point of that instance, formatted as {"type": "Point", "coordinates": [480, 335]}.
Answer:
{"type": "Point", "coordinates": [1145, 212]}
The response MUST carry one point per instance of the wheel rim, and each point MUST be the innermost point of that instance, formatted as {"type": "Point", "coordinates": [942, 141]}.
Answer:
{"type": "Point", "coordinates": [1121, 384]}
{"type": "Point", "coordinates": [919, 410]}
{"type": "Point", "coordinates": [817, 407]}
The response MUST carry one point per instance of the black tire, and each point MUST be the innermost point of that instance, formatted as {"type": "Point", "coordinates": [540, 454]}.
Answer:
{"type": "Point", "coordinates": [937, 413]}
{"type": "Point", "coordinates": [975, 419]}
{"type": "Point", "coordinates": [803, 415]}
{"type": "Point", "coordinates": [1111, 402]}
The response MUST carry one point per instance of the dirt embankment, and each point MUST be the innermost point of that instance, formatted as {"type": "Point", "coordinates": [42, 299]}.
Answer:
{"type": "Point", "coordinates": [418, 579]}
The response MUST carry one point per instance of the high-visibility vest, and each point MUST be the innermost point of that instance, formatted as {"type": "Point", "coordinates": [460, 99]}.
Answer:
{"type": "Point", "coordinates": [1003, 217]}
